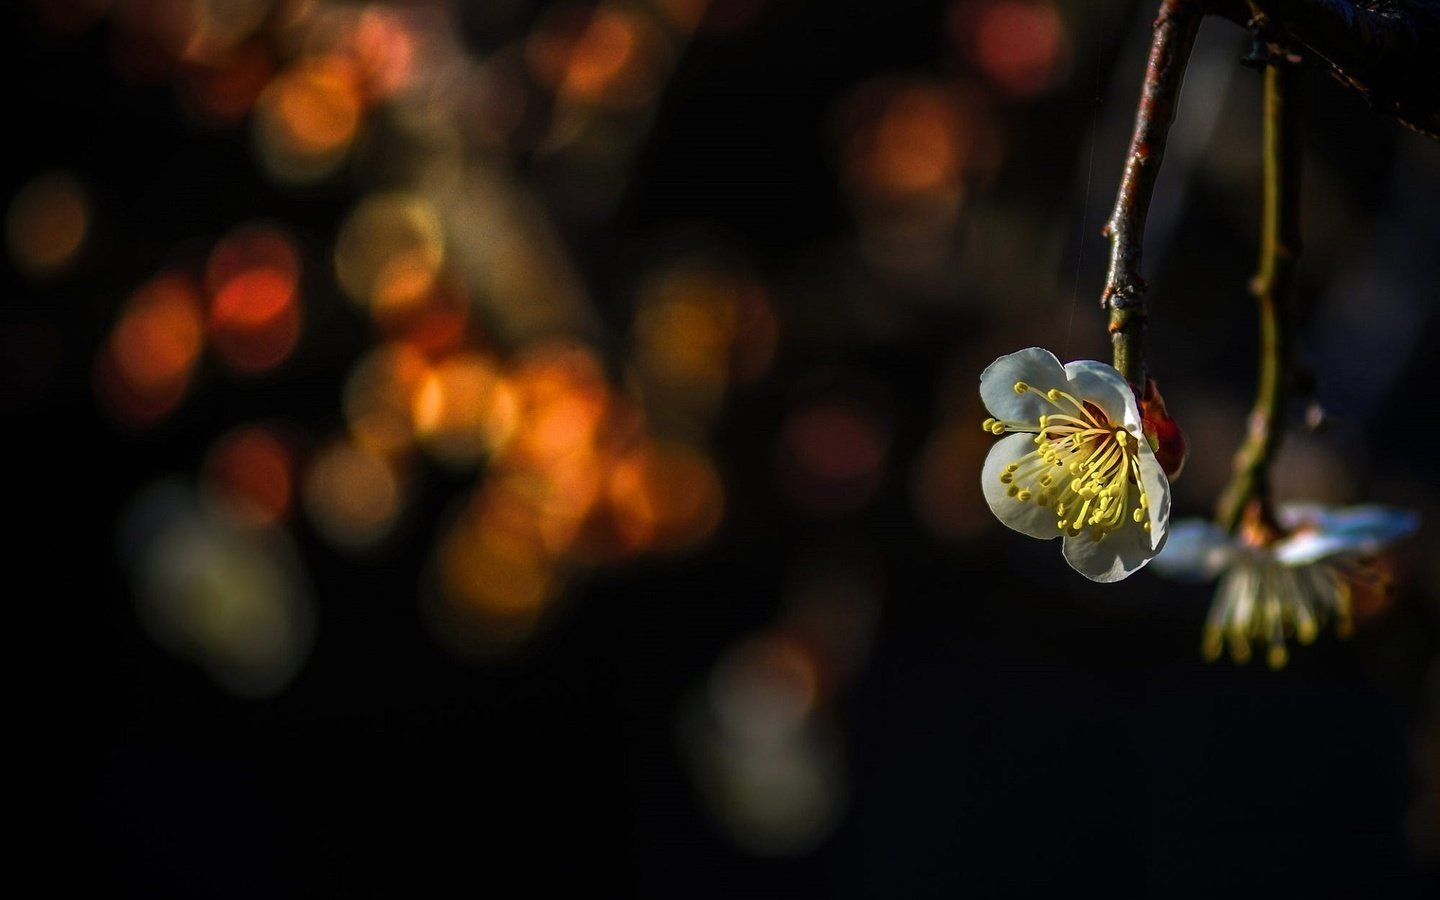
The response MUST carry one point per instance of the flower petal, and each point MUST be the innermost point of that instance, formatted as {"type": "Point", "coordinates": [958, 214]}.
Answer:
{"type": "Point", "coordinates": [1114, 557]}
{"type": "Point", "coordinates": [1355, 529]}
{"type": "Point", "coordinates": [1035, 366]}
{"type": "Point", "coordinates": [1027, 518]}
{"type": "Point", "coordinates": [1107, 389]}
{"type": "Point", "coordinates": [1157, 486]}
{"type": "Point", "coordinates": [1196, 550]}
{"type": "Point", "coordinates": [1125, 551]}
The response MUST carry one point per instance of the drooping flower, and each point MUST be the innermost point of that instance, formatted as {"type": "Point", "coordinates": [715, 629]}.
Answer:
{"type": "Point", "coordinates": [1074, 462]}
{"type": "Point", "coordinates": [1273, 587]}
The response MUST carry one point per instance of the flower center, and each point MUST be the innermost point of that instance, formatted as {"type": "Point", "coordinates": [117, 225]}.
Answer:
{"type": "Point", "coordinates": [1083, 466]}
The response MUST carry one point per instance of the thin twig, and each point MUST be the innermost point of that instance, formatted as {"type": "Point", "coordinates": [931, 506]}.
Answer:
{"type": "Point", "coordinates": [1246, 498]}
{"type": "Point", "coordinates": [1124, 295]}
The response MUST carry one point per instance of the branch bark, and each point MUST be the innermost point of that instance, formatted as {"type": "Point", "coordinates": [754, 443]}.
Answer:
{"type": "Point", "coordinates": [1124, 294]}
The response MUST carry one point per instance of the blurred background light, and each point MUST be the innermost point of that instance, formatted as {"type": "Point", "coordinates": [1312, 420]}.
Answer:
{"type": "Point", "coordinates": [307, 118]}
{"type": "Point", "coordinates": [47, 223]}
{"type": "Point", "coordinates": [222, 90]}
{"type": "Point", "coordinates": [463, 409]}
{"type": "Point", "coordinates": [664, 497]}
{"type": "Point", "coordinates": [255, 314]}
{"type": "Point", "coordinates": [832, 454]}
{"type": "Point", "coordinates": [1019, 45]}
{"type": "Point", "coordinates": [770, 770]}
{"type": "Point", "coordinates": [493, 576]}
{"type": "Point", "coordinates": [145, 366]}
{"type": "Point", "coordinates": [943, 488]}
{"type": "Point", "coordinates": [233, 600]}
{"type": "Point", "coordinates": [250, 471]}
{"type": "Point", "coordinates": [389, 252]}
{"type": "Point", "coordinates": [609, 54]}
{"type": "Point", "coordinates": [378, 397]}
{"type": "Point", "coordinates": [218, 27]}
{"type": "Point", "coordinates": [353, 496]}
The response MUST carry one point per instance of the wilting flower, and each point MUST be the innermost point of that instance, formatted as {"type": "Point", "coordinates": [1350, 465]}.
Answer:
{"type": "Point", "coordinates": [1074, 463]}
{"type": "Point", "coordinates": [1273, 588]}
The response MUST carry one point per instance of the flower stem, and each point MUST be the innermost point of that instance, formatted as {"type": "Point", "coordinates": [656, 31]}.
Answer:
{"type": "Point", "coordinates": [1124, 296]}
{"type": "Point", "coordinates": [1247, 497]}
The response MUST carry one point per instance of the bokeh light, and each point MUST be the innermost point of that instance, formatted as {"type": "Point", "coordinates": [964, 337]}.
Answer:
{"type": "Point", "coordinates": [379, 395]}
{"type": "Point", "coordinates": [494, 577]}
{"type": "Point", "coordinates": [832, 455]}
{"type": "Point", "coordinates": [250, 471]}
{"type": "Point", "coordinates": [222, 89]}
{"type": "Point", "coordinates": [353, 496]}
{"type": "Point", "coordinates": [663, 497]}
{"type": "Point", "coordinates": [389, 252]}
{"type": "Point", "coordinates": [47, 223]}
{"type": "Point", "coordinates": [255, 308]}
{"type": "Point", "coordinates": [1020, 45]}
{"type": "Point", "coordinates": [771, 771]}
{"type": "Point", "coordinates": [307, 119]}
{"type": "Point", "coordinates": [145, 367]}
{"type": "Point", "coordinates": [696, 328]}
{"type": "Point", "coordinates": [233, 600]}
{"type": "Point", "coordinates": [943, 489]}
{"type": "Point", "coordinates": [463, 409]}
{"type": "Point", "coordinates": [608, 55]}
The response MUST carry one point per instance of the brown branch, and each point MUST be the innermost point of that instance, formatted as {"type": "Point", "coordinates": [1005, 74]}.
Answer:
{"type": "Point", "coordinates": [1246, 499]}
{"type": "Point", "coordinates": [1388, 50]}
{"type": "Point", "coordinates": [1124, 294]}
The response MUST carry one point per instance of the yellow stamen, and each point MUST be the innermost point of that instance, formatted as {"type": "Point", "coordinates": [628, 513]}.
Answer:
{"type": "Point", "coordinates": [1101, 489]}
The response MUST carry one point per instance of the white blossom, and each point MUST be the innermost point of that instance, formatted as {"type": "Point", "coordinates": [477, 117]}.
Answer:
{"type": "Point", "coordinates": [1074, 462]}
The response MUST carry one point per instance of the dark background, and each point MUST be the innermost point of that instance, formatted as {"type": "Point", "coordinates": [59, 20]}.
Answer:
{"type": "Point", "coordinates": [1013, 731]}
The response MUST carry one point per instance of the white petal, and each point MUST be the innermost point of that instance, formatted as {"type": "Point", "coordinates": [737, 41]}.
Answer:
{"type": "Point", "coordinates": [1034, 366]}
{"type": "Point", "coordinates": [1107, 389]}
{"type": "Point", "coordinates": [1157, 486]}
{"type": "Point", "coordinates": [1196, 550]}
{"type": "Point", "coordinates": [1355, 529]}
{"type": "Point", "coordinates": [1115, 557]}
{"type": "Point", "coordinates": [1124, 552]}
{"type": "Point", "coordinates": [1027, 518]}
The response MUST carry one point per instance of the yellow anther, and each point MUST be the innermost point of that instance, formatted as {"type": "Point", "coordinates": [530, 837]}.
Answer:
{"type": "Point", "coordinates": [988, 424]}
{"type": "Point", "coordinates": [1021, 387]}
{"type": "Point", "coordinates": [1277, 656]}
{"type": "Point", "coordinates": [1138, 515]}
{"type": "Point", "coordinates": [1120, 437]}
{"type": "Point", "coordinates": [1023, 496]}
{"type": "Point", "coordinates": [1145, 525]}
{"type": "Point", "coordinates": [997, 427]}
{"type": "Point", "coordinates": [1305, 631]}
{"type": "Point", "coordinates": [1053, 395]}
{"type": "Point", "coordinates": [1211, 645]}
{"type": "Point", "coordinates": [1013, 489]}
